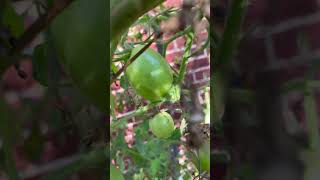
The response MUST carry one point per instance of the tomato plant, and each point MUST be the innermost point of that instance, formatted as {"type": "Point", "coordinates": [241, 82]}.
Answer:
{"type": "Point", "coordinates": [146, 144]}
{"type": "Point", "coordinates": [162, 125]}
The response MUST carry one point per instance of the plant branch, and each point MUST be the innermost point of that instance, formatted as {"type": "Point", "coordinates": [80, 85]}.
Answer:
{"type": "Point", "coordinates": [131, 60]}
{"type": "Point", "coordinates": [185, 57]}
{"type": "Point", "coordinates": [32, 32]}
{"type": "Point", "coordinates": [40, 24]}
{"type": "Point", "coordinates": [67, 168]}
{"type": "Point", "coordinates": [222, 63]}
{"type": "Point", "coordinates": [311, 118]}
{"type": "Point", "coordinates": [174, 37]}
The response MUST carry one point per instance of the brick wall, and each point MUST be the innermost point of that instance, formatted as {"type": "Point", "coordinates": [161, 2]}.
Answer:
{"type": "Point", "coordinates": [275, 43]}
{"type": "Point", "coordinates": [275, 46]}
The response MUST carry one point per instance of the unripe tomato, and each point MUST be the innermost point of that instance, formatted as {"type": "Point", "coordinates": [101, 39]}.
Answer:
{"type": "Point", "coordinates": [162, 125]}
{"type": "Point", "coordinates": [79, 35]}
{"type": "Point", "coordinates": [150, 75]}
{"type": "Point", "coordinates": [204, 157]}
{"type": "Point", "coordinates": [115, 173]}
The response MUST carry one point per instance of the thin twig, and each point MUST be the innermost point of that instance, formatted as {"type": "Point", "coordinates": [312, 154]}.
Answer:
{"type": "Point", "coordinates": [39, 25]}
{"type": "Point", "coordinates": [13, 56]}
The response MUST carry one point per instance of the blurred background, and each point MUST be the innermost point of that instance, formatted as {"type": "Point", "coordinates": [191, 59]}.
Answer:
{"type": "Point", "coordinates": [279, 39]}
{"type": "Point", "coordinates": [49, 127]}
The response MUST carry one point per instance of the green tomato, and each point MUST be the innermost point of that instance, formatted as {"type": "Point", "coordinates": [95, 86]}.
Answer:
{"type": "Point", "coordinates": [79, 35]}
{"type": "Point", "coordinates": [115, 173]}
{"type": "Point", "coordinates": [204, 157]}
{"type": "Point", "coordinates": [162, 125]}
{"type": "Point", "coordinates": [150, 74]}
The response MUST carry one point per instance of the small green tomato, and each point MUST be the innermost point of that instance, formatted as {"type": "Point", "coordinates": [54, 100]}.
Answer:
{"type": "Point", "coordinates": [162, 125]}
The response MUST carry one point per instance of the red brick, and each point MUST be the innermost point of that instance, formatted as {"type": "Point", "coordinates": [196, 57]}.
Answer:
{"type": "Point", "coordinates": [170, 46]}
{"type": "Point", "coordinates": [285, 44]}
{"type": "Point", "coordinates": [173, 3]}
{"type": "Point", "coordinates": [198, 63]}
{"type": "Point", "coordinates": [199, 75]}
{"type": "Point", "coordinates": [279, 11]}
{"type": "Point", "coordinates": [188, 77]}
{"type": "Point", "coordinates": [180, 42]}
{"type": "Point", "coordinates": [153, 46]}
{"type": "Point", "coordinates": [171, 56]}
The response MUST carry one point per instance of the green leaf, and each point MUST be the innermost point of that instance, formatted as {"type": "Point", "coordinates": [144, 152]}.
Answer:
{"type": "Point", "coordinates": [124, 82]}
{"type": "Point", "coordinates": [138, 158]}
{"type": "Point", "coordinates": [12, 20]}
{"type": "Point", "coordinates": [143, 20]}
{"type": "Point", "coordinates": [40, 64]}
{"type": "Point", "coordinates": [114, 68]}
{"type": "Point", "coordinates": [176, 135]}
{"type": "Point", "coordinates": [155, 167]}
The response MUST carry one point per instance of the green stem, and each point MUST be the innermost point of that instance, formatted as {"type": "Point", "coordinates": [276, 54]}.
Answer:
{"type": "Point", "coordinates": [93, 159]}
{"type": "Point", "coordinates": [311, 119]}
{"type": "Point", "coordinates": [174, 37]}
{"type": "Point", "coordinates": [223, 58]}
{"type": "Point", "coordinates": [185, 57]}
{"type": "Point", "coordinates": [138, 112]}
{"type": "Point", "coordinates": [201, 49]}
